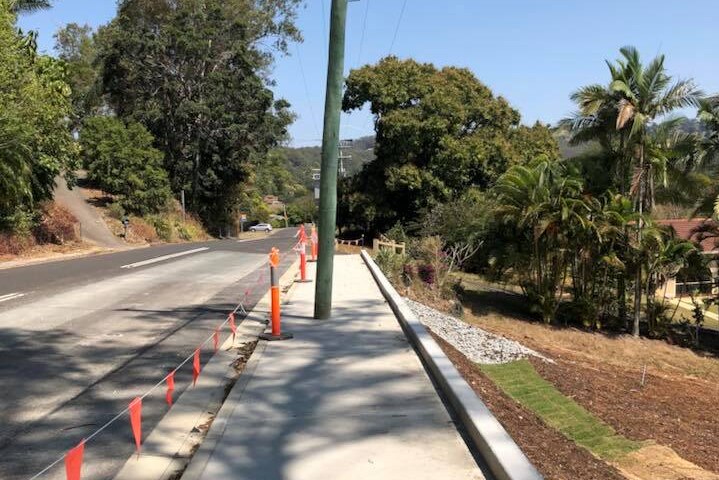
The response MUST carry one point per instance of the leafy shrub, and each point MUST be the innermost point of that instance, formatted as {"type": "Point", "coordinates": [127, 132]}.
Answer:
{"type": "Point", "coordinates": [122, 161]}
{"type": "Point", "coordinates": [392, 264]}
{"type": "Point", "coordinates": [56, 225]}
{"type": "Point", "coordinates": [397, 233]}
{"type": "Point", "coordinates": [20, 223]}
{"type": "Point", "coordinates": [183, 232]}
{"type": "Point", "coordinates": [162, 226]}
{"type": "Point", "coordinates": [116, 210]}
{"type": "Point", "coordinates": [427, 274]}
{"type": "Point", "coordinates": [580, 312]}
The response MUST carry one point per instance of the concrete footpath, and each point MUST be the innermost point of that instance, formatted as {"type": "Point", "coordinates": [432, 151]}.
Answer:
{"type": "Point", "coordinates": [347, 398]}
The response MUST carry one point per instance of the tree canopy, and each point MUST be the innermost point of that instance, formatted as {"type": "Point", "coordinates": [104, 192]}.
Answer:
{"type": "Point", "coordinates": [76, 46]}
{"type": "Point", "coordinates": [35, 142]}
{"type": "Point", "coordinates": [439, 132]}
{"type": "Point", "coordinates": [121, 160]}
{"type": "Point", "coordinates": [194, 73]}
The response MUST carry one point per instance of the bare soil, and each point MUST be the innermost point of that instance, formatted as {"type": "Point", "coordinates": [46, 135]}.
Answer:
{"type": "Point", "coordinates": [555, 456]}
{"type": "Point", "coordinates": [679, 413]}
{"type": "Point", "coordinates": [676, 407]}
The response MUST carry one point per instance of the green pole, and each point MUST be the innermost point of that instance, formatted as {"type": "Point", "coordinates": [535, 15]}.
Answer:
{"type": "Point", "coordinates": [330, 151]}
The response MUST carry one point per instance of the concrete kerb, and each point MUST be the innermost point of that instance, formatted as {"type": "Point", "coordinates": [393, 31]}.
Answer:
{"type": "Point", "coordinates": [503, 456]}
{"type": "Point", "coordinates": [172, 444]}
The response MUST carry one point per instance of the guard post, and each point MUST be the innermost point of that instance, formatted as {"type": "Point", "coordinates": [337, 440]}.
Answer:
{"type": "Point", "coordinates": [276, 333]}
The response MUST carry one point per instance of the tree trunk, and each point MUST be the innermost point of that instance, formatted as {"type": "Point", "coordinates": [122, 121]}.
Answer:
{"type": "Point", "coordinates": [640, 224]}
{"type": "Point", "coordinates": [622, 294]}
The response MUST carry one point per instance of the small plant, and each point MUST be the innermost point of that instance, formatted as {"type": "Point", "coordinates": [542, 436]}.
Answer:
{"type": "Point", "coordinates": [392, 264]}
{"type": "Point", "coordinates": [427, 274]}
{"type": "Point", "coordinates": [162, 226]}
{"type": "Point", "coordinates": [116, 210]}
{"type": "Point", "coordinates": [56, 225]}
{"type": "Point", "coordinates": [697, 316]}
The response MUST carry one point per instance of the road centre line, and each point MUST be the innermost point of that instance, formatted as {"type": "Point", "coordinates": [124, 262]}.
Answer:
{"type": "Point", "coordinates": [11, 296]}
{"type": "Point", "coordinates": [164, 257]}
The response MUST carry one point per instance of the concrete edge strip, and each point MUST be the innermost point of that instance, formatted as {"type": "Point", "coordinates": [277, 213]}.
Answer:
{"type": "Point", "coordinates": [247, 332]}
{"type": "Point", "coordinates": [503, 456]}
{"type": "Point", "coordinates": [200, 459]}
{"type": "Point", "coordinates": [196, 466]}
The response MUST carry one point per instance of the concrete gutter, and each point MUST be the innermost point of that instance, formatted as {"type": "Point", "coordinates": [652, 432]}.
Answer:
{"type": "Point", "coordinates": [503, 456]}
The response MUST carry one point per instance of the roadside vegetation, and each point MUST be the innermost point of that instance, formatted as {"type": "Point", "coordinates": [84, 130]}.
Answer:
{"type": "Point", "coordinates": [561, 249]}
{"type": "Point", "coordinates": [161, 101]}
{"type": "Point", "coordinates": [579, 236]}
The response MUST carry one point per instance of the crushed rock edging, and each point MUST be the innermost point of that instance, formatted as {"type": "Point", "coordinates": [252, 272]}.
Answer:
{"type": "Point", "coordinates": [476, 344]}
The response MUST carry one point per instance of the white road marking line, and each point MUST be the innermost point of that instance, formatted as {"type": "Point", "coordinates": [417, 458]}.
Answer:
{"type": "Point", "coordinates": [11, 296]}
{"type": "Point", "coordinates": [164, 257]}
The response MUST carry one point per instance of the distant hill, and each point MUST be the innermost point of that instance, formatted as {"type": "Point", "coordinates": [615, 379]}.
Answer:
{"type": "Point", "coordinates": [302, 160]}
{"type": "Point", "coordinates": [567, 150]}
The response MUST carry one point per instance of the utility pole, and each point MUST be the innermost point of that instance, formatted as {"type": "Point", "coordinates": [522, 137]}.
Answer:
{"type": "Point", "coordinates": [344, 145]}
{"type": "Point", "coordinates": [330, 146]}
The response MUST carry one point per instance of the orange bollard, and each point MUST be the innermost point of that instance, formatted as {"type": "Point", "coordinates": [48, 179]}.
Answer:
{"type": "Point", "coordinates": [313, 244]}
{"type": "Point", "coordinates": [276, 333]}
{"type": "Point", "coordinates": [303, 264]}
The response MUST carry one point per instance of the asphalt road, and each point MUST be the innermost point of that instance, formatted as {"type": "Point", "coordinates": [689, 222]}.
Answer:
{"type": "Point", "coordinates": [80, 338]}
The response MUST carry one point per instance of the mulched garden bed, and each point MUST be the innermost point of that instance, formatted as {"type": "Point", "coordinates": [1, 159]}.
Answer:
{"type": "Point", "coordinates": [555, 456]}
{"type": "Point", "coordinates": [679, 413]}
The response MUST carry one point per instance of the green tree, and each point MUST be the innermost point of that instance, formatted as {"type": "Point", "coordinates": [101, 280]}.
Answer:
{"type": "Point", "coordinates": [543, 206]}
{"type": "Point", "coordinates": [122, 161]}
{"type": "Point", "coordinates": [29, 6]}
{"type": "Point", "coordinates": [645, 93]}
{"type": "Point", "coordinates": [35, 142]}
{"type": "Point", "coordinates": [194, 72]}
{"type": "Point", "coordinates": [272, 177]}
{"type": "Point", "coordinates": [439, 132]}
{"type": "Point", "coordinates": [636, 97]}
{"type": "Point", "coordinates": [75, 45]}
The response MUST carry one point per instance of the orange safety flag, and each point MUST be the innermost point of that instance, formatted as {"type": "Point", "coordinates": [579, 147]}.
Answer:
{"type": "Point", "coordinates": [170, 387]}
{"type": "Point", "coordinates": [216, 339]}
{"type": "Point", "coordinates": [136, 421]}
{"type": "Point", "coordinates": [73, 461]}
{"type": "Point", "coordinates": [233, 327]}
{"type": "Point", "coordinates": [195, 367]}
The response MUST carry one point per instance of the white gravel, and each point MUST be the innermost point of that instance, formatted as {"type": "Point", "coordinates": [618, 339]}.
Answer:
{"type": "Point", "coordinates": [476, 344]}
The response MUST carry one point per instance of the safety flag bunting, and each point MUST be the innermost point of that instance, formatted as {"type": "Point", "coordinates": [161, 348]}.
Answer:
{"type": "Point", "coordinates": [73, 461]}
{"type": "Point", "coordinates": [170, 387]}
{"type": "Point", "coordinates": [136, 421]}
{"type": "Point", "coordinates": [195, 367]}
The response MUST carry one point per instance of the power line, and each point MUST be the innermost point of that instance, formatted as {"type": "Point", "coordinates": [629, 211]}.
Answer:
{"type": "Point", "coordinates": [364, 28]}
{"type": "Point", "coordinates": [307, 90]}
{"type": "Point", "coordinates": [396, 30]}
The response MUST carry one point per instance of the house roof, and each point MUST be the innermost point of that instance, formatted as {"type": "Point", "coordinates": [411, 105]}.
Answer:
{"type": "Point", "coordinates": [689, 229]}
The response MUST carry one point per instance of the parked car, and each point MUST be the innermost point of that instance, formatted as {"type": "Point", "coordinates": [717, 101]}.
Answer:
{"type": "Point", "coordinates": [261, 227]}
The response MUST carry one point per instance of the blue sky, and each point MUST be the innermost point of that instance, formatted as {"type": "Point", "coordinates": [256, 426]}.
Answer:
{"type": "Point", "coordinates": [532, 52]}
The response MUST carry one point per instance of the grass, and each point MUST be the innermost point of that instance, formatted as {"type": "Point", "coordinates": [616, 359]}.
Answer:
{"type": "Point", "coordinates": [521, 381]}
{"type": "Point", "coordinates": [684, 312]}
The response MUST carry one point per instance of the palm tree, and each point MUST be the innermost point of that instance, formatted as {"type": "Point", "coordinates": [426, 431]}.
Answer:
{"type": "Point", "coordinates": [544, 205]}
{"type": "Point", "coordinates": [29, 6]}
{"type": "Point", "coordinates": [709, 116]}
{"type": "Point", "coordinates": [645, 93]}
